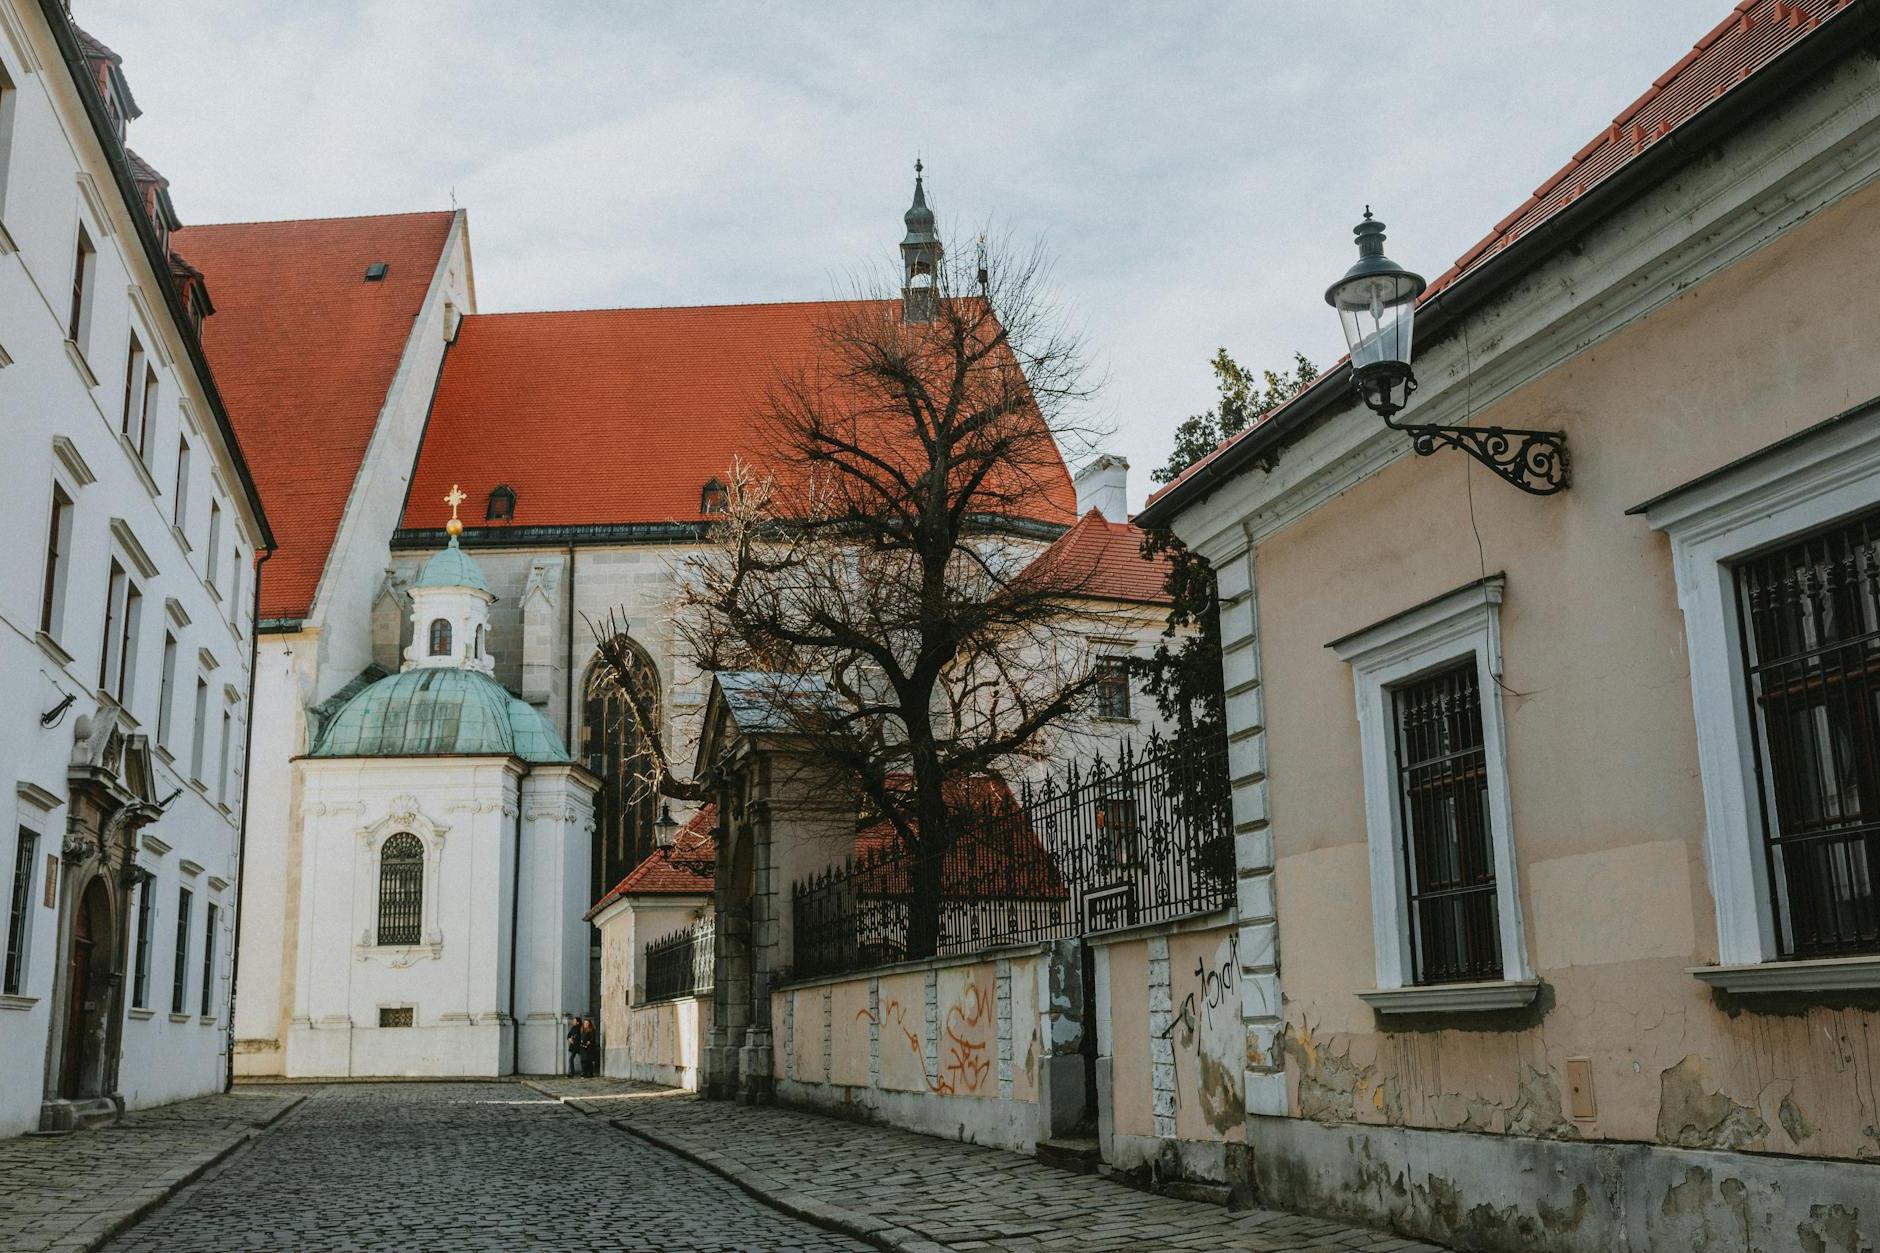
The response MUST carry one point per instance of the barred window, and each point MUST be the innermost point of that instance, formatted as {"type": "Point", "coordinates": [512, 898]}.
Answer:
{"type": "Point", "coordinates": [440, 637]}
{"type": "Point", "coordinates": [1113, 687]}
{"type": "Point", "coordinates": [395, 1016]}
{"type": "Point", "coordinates": [401, 889]}
{"type": "Point", "coordinates": [1811, 641]}
{"type": "Point", "coordinates": [1448, 848]}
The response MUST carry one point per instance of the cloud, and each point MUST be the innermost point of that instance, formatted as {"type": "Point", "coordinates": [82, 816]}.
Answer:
{"type": "Point", "coordinates": [1195, 167]}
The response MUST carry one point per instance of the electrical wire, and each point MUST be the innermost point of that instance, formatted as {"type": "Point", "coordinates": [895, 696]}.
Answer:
{"type": "Point", "coordinates": [1468, 489]}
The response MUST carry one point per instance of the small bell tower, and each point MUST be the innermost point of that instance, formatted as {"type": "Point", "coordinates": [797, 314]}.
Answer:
{"type": "Point", "coordinates": [920, 257]}
{"type": "Point", "coordinates": [450, 607]}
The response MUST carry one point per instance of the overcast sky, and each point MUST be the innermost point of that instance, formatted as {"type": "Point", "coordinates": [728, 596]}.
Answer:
{"type": "Point", "coordinates": [1194, 168]}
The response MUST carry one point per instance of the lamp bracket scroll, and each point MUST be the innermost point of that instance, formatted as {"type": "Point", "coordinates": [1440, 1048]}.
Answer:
{"type": "Point", "coordinates": [1534, 461]}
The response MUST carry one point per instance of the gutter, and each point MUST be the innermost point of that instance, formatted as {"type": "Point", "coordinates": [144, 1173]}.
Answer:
{"type": "Point", "coordinates": [241, 831]}
{"type": "Point", "coordinates": [154, 254]}
{"type": "Point", "coordinates": [1840, 37]}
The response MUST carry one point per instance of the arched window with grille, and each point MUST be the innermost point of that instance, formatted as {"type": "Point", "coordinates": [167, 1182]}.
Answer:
{"type": "Point", "coordinates": [615, 746]}
{"type": "Point", "coordinates": [440, 637]}
{"type": "Point", "coordinates": [401, 889]}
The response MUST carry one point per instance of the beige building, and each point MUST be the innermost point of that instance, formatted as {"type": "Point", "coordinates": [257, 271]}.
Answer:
{"type": "Point", "coordinates": [1559, 816]}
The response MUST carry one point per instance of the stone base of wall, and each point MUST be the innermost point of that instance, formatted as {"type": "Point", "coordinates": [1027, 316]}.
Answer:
{"type": "Point", "coordinates": [619, 1063]}
{"type": "Point", "coordinates": [1491, 1192]}
{"type": "Point", "coordinates": [975, 1120]}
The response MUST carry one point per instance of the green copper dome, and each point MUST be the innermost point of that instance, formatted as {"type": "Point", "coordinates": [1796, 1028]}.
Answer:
{"type": "Point", "coordinates": [452, 568]}
{"type": "Point", "coordinates": [439, 710]}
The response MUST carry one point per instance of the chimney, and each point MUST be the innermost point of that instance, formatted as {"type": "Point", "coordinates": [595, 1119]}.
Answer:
{"type": "Point", "coordinates": [1103, 485]}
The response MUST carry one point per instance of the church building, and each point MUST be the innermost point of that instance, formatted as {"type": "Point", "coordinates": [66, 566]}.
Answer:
{"type": "Point", "coordinates": [592, 451]}
{"type": "Point", "coordinates": [443, 869]}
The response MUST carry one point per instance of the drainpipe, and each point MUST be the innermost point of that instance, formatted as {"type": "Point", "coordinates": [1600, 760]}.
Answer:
{"type": "Point", "coordinates": [241, 829]}
{"type": "Point", "coordinates": [515, 915]}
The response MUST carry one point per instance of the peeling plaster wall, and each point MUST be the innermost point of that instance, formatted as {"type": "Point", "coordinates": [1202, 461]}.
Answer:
{"type": "Point", "coordinates": [952, 1047]}
{"type": "Point", "coordinates": [662, 1043]}
{"type": "Point", "coordinates": [1171, 1054]}
{"type": "Point", "coordinates": [1608, 816]}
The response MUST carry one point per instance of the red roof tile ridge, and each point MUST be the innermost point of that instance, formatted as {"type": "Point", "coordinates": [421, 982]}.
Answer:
{"type": "Point", "coordinates": [335, 217]}
{"type": "Point", "coordinates": [732, 304]}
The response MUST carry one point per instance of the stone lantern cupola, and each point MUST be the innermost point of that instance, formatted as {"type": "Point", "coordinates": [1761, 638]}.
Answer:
{"type": "Point", "coordinates": [450, 608]}
{"type": "Point", "coordinates": [920, 256]}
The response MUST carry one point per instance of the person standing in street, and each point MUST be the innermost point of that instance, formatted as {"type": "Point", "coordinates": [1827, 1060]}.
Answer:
{"type": "Point", "coordinates": [577, 1056]}
{"type": "Point", "coordinates": [590, 1046]}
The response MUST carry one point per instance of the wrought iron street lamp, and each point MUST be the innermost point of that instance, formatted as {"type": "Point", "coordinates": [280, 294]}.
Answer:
{"type": "Point", "coordinates": [666, 829]}
{"type": "Point", "coordinates": [1376, 302]}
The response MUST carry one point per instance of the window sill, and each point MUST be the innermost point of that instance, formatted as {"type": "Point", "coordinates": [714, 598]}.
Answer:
{"type": "Point", "coordinates": [79, 363]}
{"type": "Point", "coordinates": [182, 540]}
{"type": "Point", "coordinates": [163, 754]}
{"type": "Point", "coordinates": [1828, 974]}
{"type": "Point", "coordinates": [141, 1014]}
{"type": "Point", "coordinates": [138, 463]}
{"type": "Point", "coordinates": [50, 647]}
{"type": "Point", "coordinates": [207, 1020]}
{"type": "Point", "coordinates": [1453, 998]}
{"type": "Point", "coordinates": [397, 956]}
{"type": "Point", "coordinates": [179, 1017]}
{"type": "Point", "coordinates": [12, 1001]}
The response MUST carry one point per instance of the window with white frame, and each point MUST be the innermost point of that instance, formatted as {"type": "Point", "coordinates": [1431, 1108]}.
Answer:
{"type": "Point", "coordinates": [140, 958]}
{"type": "Point", "coordinates": [166, 694]}
{"type": "Point", "coordinates": [1777, 562]}
{"type": "Point", "coordinates": [180, 513]}
{"type": "Point", "coordinates": [1445, 910]}
{"type": "Point", "coordinates": [19, 912]}
{"type": "Point", "coordinates": [179, 967]}
{"type": "Point", "coordinates": [84, 264]}
{"type": "Point", "coordinates": [58, 563]}
{"type": "Point", "coordinates": [9, 104]}
{"type": "Point", "coordinates": [401, 890]}
{"type": "Point", "coordinates": [1113, 687]}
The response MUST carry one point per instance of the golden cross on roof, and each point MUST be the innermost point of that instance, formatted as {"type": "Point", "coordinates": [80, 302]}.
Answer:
{"type": "Point", "coordinates": [453, 498]}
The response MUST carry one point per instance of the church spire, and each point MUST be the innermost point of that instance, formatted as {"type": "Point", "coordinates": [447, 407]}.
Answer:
{"type": "Point", "coordinates": [920, 255]}
{"type": "Point", "coordinates": [450, 606]}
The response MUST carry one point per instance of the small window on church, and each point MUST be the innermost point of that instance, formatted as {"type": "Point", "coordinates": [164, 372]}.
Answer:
{"type": "Point", "coordinates": [401, 889]}
{"type": "Point", "coordinates": [713, 498]}
{"type": "Point", "coordinates": [440, 637]}
{"type": "Point", "coordinates": [479, 642]}
{"type": "Point", "coordinates": [399, 1016]}
{"type": "Point", "coordinates": [502, 505]}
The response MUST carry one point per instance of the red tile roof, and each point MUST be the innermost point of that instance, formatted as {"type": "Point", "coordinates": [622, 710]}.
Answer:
{"type": "Point", "coordinates": [1752, 36]}
{"type": "Point", "coordinates": [618, 416]}
{"type": "Point", "coordinates": [996, 844]}
{"type": "Point", "coordinates": [688, 868]}
{"type": "Point", "coordinates": [1105, 559]}
{"type": "Point", "coordinates": [1755, 33]}
{"type": "Point", "coordinates": [304, 350]}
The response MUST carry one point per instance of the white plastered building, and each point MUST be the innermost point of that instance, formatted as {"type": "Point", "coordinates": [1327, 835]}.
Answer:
{"type": "Point", "coordinates": [443, 864]}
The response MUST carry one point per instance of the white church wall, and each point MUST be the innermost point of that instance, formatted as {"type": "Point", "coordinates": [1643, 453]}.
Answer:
{"type": "Point", "coordinates": [552, 955]}
{"type": "Point", "coordinates": [286, 666]}
{"type": "Point", "coordinates": [455, 980]}
{"type": "Point", "coordinates": [301, 667]}
{"type": "Point", "coordinates": [65, 414]}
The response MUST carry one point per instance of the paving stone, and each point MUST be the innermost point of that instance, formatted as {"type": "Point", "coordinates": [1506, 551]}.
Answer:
{"type": "Point", "coordinates": [461, 1166]}
{"type": "Point", "coordinates": [943, 1194]}
{"type": "Point", "coordinates": [71, 1191]}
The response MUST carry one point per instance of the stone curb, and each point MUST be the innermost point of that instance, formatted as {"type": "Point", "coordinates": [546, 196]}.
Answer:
{"type": "Point", "coordinates": [117, 1224]}
{"type": "Point", "coordinates": [864, 1227]}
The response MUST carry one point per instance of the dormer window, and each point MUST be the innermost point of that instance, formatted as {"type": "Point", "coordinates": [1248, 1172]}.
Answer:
{"type": "Point", "coordinates": [713, 498]}
{"type": "Point", "coordinates": [502, 504]}
{"type": "Point", "coordinates": [375, 273]}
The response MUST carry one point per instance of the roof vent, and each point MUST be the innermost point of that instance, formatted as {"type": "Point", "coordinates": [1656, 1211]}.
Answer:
{"type": "Point", "coordinates": [376, 271]}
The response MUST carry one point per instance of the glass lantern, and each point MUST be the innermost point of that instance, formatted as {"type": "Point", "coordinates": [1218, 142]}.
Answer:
{"type": "Point", "coordinates": [1376, 302]}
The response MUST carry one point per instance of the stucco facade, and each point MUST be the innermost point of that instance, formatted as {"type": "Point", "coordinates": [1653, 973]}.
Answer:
{"type": "Point", "coordinates": [127, 604]}
{"type": "Point", "coordinates": [1677, 1083]}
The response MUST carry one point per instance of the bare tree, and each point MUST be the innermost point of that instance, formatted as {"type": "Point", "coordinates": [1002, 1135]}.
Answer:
{"type": "Point", "coordinates": [881, 541]}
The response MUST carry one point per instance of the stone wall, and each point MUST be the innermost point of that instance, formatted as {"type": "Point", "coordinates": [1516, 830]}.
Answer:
{"type": "Point", "coordinates": [663, 1042]}
{"type": "Point", "coordinates": [981, 1048]}
{"type": "Point", "coordinates": [1171, 1052]}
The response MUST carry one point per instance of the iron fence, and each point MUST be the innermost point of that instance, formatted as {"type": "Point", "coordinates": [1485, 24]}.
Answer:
{"type": "Point", "coordinates": [681, 964]}
{"type": "Point", "coordinates": [1145, 837]}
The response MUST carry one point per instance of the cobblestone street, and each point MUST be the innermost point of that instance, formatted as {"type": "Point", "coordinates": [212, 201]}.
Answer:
{"type": "Point", "coordinates": [573, 1164]}
{"type": "Point", "coordinates": [461, 1166]}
